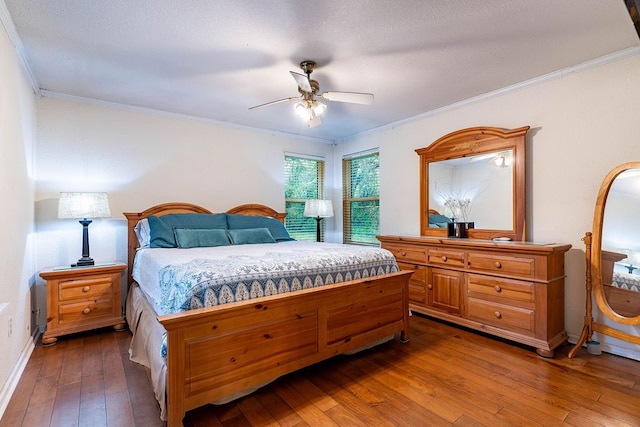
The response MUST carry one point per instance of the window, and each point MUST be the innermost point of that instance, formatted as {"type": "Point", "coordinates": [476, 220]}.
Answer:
{"type": "Point", "coordinates": [303, 179]}
{"type": "Point", "coordinates": [361, 198]}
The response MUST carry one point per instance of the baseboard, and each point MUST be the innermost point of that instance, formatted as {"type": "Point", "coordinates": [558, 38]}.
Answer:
{"type": "Point", "coordinates": [612, 349]}
{"type": "Point", "coordinates": [14, 377]}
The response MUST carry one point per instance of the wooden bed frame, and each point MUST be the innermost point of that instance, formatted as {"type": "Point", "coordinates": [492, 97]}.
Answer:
{"type": "Point", "coordinates": [215, 352]}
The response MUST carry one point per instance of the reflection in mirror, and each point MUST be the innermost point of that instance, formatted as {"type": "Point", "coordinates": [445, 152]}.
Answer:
{"type": "Point", "coordinates": [620, 256]}
{"type": "Point", "coordinates": [476, 188]}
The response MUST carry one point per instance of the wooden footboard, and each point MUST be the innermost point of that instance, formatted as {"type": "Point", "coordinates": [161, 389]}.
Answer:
{"type": "Point", "coordinates": [217, 351]}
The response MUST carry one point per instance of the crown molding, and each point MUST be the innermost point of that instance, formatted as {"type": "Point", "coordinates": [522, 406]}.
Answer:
{"type": "Point", "coordinates": [152, 111]}
{"type": "Point", "coordinates": [594, 63]}
{"type": "Point", "coordinates": [18, 47]}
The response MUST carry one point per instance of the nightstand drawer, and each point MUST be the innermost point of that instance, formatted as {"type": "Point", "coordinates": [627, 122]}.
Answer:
{"type": "Point", "coordinates": [513, 290]}
{"type": "Point", "coordinates": [516, 266]}
{"type": "Point", "coordinates": [85, 310]}
{"type": "Point", "coordinates": [501, 315]}
{"type": "Point", "coordinates": [85, 288]}
{"type": "Point", "coordinates": [446, 258]}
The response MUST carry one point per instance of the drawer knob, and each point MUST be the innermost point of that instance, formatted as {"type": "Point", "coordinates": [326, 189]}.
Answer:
{"type": "Point", "coordinates": [86, 310]}
{"type": "Point", "coordinates": [498, 265]}
{"type": "Point", "coordinates": [403, 253]}
{"type": "Point", "coordinates": [444, 258]}
{"type": "Point", "coordinates": [497, 314]}
{"type": "Point", "coordinates": [429, 286]}
{"type": "Point", "coordinates": [498, 288]}
{"type": "Point", "coordinates": [86, 289]}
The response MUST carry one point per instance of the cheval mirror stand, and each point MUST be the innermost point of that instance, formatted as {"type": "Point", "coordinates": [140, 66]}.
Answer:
{"type": "Point", "coordinates": [608, 278]}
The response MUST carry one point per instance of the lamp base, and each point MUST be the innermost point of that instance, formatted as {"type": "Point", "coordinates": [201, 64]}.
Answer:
{"type": "Point", "coordinates": [83, 262]}
{"type": "Point", "coordinates": [318, 235]}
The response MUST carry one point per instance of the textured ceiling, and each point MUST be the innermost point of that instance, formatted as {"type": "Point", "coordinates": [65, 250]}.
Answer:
{"type": "Point", "coordinates": [215, 59]}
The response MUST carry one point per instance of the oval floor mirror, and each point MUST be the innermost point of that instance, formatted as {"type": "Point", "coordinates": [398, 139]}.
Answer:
{"type": "Point", "coordinates": [613, 257]}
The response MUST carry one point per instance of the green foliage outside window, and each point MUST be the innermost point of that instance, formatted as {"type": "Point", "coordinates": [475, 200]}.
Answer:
{"type": "Point", "coordinates": [361, 199]}
{"type": "Point", "coordinates": [304, 179]}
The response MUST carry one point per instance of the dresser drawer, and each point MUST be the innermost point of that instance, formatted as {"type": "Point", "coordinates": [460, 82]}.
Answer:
{"type": "Point", "coordinates": [502, 264]}
{"type": "Point", "coordinates": [85, 310]}
{"type": "Point", "coordinates": [84, 288]}
{"type": "Point", "coordinates": [407, 253]}
{"type": "Point", "coordinates": [448, 258]}
{"type": "Point", "coordinates": [513, 290]}
{"type": "Point", "coordinates": [501, 315]}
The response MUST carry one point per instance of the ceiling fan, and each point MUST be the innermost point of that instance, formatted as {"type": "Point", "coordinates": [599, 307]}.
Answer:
{"type": "Point", "coordinates": [308, 107]}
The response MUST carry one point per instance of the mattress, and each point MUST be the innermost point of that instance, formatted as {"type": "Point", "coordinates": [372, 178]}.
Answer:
{"type": "Point", "coordinates": [176, 280]}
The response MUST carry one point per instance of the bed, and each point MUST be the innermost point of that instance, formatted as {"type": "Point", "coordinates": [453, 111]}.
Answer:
{"type": "Point", "coordinates": [219, 351]}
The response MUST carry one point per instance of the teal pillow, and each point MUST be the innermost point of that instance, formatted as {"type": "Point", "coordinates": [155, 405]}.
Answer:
{"type": "Point", "coordinates": [275, 227]}
{"type": "Point", "coordinates": [161, 227]}
{"type": "Point", "coordinates": [244, 236]}
{"type": "Point", "coordinates": [201, 237]}
{"type": "Point", "coordinates": [438, 220]}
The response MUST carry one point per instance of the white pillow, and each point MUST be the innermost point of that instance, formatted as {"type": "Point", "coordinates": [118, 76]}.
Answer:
{"type": "Point", "coordinates": [143, 232]}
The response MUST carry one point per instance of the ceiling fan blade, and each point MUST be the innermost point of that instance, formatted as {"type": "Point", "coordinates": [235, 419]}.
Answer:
{"type": "Point", "coordinates": [302, 80]}
{"type": "Point", "coordinates": [352, 97]}
{"type": "Point", "coordinates": [274, 102]}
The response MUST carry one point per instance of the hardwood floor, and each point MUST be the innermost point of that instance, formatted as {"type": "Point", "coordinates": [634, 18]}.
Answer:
{"type": "Point", "coordinates": [444, 376]}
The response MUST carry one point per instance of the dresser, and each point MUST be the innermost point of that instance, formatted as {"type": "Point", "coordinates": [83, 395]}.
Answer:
{"type": "Point", "coordinates": [513, 290]}
{"type": "Point", "coordinates": [83, 298]}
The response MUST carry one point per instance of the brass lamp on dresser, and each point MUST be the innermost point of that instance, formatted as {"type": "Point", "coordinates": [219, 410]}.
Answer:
{"type": "Point", "coordinates": [83, 298]}
{"type": "Point", "coordinates": [471, 264]}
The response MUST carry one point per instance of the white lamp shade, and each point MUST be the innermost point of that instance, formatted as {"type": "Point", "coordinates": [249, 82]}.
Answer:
{"type": "Point", "coordinates": [318, 208]}
{"type": "Point", "coordinates": [83, 205]}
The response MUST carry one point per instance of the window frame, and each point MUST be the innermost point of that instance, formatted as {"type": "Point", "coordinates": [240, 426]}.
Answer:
{"type": "Point", "coordinates": [291, 219]}
{"type": "Point", "coordinates": [348, 199]}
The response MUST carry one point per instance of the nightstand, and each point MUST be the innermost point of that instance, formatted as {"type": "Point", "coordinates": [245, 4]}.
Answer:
{"type": "Point", "coordinates": [83, 298]}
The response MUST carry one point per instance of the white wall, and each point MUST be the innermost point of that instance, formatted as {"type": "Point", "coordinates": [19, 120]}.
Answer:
{"type": "Point", "coordinates": [17, 122]}
{"type": "Point", "coordinates": [140, 160]}
{"type": "Point", "coordinates": [582, 126]}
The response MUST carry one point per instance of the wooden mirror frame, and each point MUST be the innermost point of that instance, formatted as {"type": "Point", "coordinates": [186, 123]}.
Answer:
{"type": "Point", "coordinates": [471, 142]}
{"type": "Point", "coordinates": [596, 247]}
{"type": "Point", "coordinates": [593, 276]}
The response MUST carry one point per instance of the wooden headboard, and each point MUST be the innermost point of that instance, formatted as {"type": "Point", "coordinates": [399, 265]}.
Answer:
{"type": "Point", "coordinates": [252, 209]}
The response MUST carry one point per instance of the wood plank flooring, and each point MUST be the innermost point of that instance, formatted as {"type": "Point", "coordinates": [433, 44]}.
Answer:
{"type": "Point", "coordinates": [444, 376]}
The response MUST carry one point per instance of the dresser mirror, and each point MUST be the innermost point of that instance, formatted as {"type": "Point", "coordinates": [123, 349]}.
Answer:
{"type": "Point", "coordinates": [474, 175]}
{"type": "Point", "coordinates": [613, 256]}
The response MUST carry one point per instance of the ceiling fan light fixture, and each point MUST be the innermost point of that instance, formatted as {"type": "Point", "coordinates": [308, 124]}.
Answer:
{"type": "Point", "coordinates": [310, 111]}
{"type": "Point", "coordinates": [314, 121]}
{"type": "Point", "coordinates": [319, 108]}
{"type": "Point", "coordinates": [303, 110]}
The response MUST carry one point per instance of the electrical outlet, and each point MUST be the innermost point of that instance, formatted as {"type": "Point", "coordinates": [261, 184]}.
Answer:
{"type": "Point", "coordinates": [10, 326]}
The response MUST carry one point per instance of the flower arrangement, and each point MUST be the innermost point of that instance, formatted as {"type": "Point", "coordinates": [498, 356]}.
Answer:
{"type": "Point", "coordinates": [459, 207]}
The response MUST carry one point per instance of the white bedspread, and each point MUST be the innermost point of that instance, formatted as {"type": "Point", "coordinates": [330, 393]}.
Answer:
{"type": "Point", "coordinates": [181, 279]}
{"type": "Point", "coordinates": [630, 282]}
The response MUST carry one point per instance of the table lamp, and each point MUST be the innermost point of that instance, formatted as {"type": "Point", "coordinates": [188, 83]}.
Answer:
{"type": "Point", "coordinates": [318, 209]}
{"type": "Point", "coordinates": [83, 206]}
